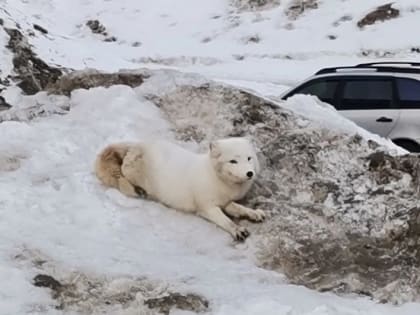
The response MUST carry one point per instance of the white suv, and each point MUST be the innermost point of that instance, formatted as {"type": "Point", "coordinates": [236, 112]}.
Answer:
{"type": "Point", "coordinates": [382, 97]}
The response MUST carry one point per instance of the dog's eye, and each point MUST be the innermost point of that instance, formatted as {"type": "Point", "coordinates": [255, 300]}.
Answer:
{"type": "Point", "coordinates": [249, 158]}
{"type": "Point", "coordinates": [233, 161]}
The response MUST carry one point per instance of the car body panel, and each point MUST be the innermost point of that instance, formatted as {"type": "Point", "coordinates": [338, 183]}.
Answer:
{"type": "Point", "coordinates": [376, 121]}
{"type": "Point", "coordinates": [410, 126]}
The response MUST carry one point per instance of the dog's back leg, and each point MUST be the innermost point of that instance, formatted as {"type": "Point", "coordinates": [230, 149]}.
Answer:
{"type": "Point", "coordinates": [133, 168]}
{"type": "Point", "coordinates": [108, 169]}
{"type": "Point", "coordinates": [127, 188]}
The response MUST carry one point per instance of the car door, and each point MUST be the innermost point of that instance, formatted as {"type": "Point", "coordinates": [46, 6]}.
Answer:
{"type": "Point", "coordinates": [408, 126]}
{"type": "Point", "coordinates": [370, 102]}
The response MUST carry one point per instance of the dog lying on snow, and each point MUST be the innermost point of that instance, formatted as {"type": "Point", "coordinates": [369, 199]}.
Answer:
{"type": "Point", "coordinates": [203, 184]}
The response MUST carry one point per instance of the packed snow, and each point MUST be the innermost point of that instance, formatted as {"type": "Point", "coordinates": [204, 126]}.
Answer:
{"type": "Point", "coordinates": [212, 37]}
{"type": "Point", "coordinates": [53, 204]}
{"type": "Point", "coordinates": [50, 200]}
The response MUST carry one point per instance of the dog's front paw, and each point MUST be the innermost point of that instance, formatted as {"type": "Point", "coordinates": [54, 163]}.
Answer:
{"type": "Point", "coordinates": [240, 234]}
{"type": "Point", "coordinates": [257, 215]}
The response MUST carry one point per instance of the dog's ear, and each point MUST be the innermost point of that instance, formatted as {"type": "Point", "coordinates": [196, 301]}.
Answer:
{"type": "Point", "coordinates": [214, 149]}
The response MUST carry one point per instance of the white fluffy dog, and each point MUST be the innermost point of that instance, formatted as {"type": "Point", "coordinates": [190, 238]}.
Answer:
{"type": "Point", "coordinates": [197, 183]}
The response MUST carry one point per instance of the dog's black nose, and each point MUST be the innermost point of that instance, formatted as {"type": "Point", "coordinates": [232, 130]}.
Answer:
{"type": "Point", "coordinates": [250, 174]}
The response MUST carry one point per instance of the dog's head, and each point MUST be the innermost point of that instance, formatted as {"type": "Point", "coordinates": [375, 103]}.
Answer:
{"type": "Point", "coordinates": [234, 160]}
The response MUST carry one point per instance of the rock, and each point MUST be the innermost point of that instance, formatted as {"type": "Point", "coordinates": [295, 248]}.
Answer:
{"type": "Point", "coordinates": [298, 7]}
{"type": "Point", "coordinates": [343, 19]}
{"type": "Point", "coordinates": [10, 163]}
{"type": "Point", "coordinates": [96, 27]}
{"type": "Point", "coordinates": [188, 302]}
{"type": "Point", "coordinates": [381, 13]}
{"type": "Point", "coordinates": [251, 39]}
{"type": "Point", "coordinates": [377, 54]}
{"type": "Point", "coordinates": [206, 40]}
{"type": "Point", "coordinates": [32, 73]}
{"type": "Point", "coordinates": [46, 281]}
{"type": "Point", "coordinates": [238, 57]}
{"type": "Point", "coordinates": [82, 293]}
{"type": "Point", "coordinates": [3, 104]}
{"type": "Point", "coordinates": [92, 78]}
{"type": "Point", "coordinates": [344, 214]}
{"type": "Point", "coordinates": [255, 4]}
{"type": "Point", "coordinates": [40, 29]}
{"type": "Point", "coordinates": [110, 39]}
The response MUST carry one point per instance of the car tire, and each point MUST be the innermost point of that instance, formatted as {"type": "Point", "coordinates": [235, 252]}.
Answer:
{"type": "Point", "coordinates": [409, 145]}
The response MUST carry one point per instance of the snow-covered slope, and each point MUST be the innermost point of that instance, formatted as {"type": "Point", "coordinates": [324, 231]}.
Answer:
{"type": "Point", "coordinates": [57, 219]}
{"type": "Point", "coordinates": [215, 37]}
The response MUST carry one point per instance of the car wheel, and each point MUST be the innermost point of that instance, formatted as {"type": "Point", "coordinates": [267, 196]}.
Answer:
{"type": "Point", "coordinates": [409, 145]}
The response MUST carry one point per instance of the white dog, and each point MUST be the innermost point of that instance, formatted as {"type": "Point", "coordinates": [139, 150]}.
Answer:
{"type": "Point", "coordinates": [197, 183]}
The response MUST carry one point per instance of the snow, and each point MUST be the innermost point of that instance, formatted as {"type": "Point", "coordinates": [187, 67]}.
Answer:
{"type": "Point", "coordinates": [50, 200]}
{"type": "Point", "coordinates": [67, 215]}
{"type": "Point", "coordinates": [54, 204]}
{"type": "Point", "coordinates": [213, 32]}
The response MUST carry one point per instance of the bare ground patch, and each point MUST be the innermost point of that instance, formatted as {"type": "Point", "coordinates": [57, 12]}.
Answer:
{"type": "Point", "coordinates": [78, 291]}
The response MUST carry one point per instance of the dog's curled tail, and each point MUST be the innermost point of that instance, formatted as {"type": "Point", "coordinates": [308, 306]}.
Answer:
{"type": "Point", "coordinates": [108, 168]}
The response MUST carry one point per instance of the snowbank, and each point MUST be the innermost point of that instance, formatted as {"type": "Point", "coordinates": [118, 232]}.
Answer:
{"type": "Point", "coordinates": [53, 205]}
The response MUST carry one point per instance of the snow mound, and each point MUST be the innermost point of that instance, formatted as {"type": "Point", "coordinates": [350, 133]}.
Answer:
{"type": "Point", "coordinates": [342, 207]}
{"type": "Point", "coordinates": [52, 204]}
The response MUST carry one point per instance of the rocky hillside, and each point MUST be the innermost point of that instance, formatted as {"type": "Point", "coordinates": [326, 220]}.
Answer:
{"type": "Point", "coordinates": [344, 213]}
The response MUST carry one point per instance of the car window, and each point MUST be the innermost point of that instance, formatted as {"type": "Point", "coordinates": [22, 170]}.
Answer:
{"type": "Point", "coordinates": [367, 94]}
{"type": "Point", "coordinates": [409, 93]}
{"type": "Point", "coordinates": [323, 89]}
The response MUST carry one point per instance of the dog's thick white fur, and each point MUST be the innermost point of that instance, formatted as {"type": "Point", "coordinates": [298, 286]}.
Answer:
{"type": "Point", "coordinates": [197, 183]}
